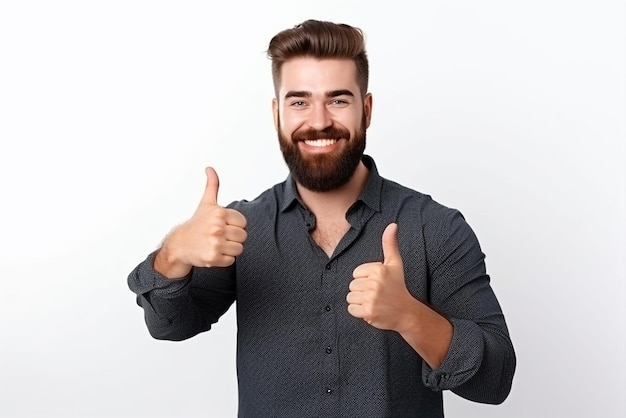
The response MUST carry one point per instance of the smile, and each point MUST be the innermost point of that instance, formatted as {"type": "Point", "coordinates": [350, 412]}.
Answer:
{"type": "Point", "coordinates": [320, 142]}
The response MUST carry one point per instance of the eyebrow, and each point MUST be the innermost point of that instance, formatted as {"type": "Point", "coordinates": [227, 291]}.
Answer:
{"type": "Point", "coordinates": [328, 94]}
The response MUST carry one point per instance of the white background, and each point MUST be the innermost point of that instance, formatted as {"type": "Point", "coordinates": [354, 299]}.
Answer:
{"type": "Point", "coordinates": [513, 112]}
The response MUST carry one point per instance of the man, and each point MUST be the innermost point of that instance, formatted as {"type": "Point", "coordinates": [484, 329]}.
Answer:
{"type": "Point", "coordinates": [355, 296]}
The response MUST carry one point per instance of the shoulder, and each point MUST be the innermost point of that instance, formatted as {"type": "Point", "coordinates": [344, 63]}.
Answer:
{"type": "Point", "coordinates": [437, 223]}
{"type": "Point", "coordinates": [412, 202]}
{"type": "Point", "coordinates": [266, 203]}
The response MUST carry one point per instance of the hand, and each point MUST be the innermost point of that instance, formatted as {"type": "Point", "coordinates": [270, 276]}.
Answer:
{"type": "Point", "coordinates": [212, 237]}
{"type": "Point", "coordinates": [378, 293]}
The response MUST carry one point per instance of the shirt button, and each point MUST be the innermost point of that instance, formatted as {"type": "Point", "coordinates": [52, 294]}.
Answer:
{"type": "Point", "coordinates": [328, 266]}
{"type": "Point", "coordinates": [327, 308]}
{"type": "Point", "coordinates": [329, 350]}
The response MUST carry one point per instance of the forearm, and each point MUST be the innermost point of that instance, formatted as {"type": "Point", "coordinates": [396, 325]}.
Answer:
{"type": "Point", "coordinates": [427, 332]}
{"type": "Point", "coordinates": [480, 363]}
{"type": "Point", "coordinates": [476, 361]}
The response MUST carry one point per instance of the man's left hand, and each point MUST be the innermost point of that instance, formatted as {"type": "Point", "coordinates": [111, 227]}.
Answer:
{"type": "Point", "coordinates": [378, 292]}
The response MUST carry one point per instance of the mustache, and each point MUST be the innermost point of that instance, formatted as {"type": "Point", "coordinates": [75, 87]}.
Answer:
{"type": "Point", "coordinates": [328, 133]}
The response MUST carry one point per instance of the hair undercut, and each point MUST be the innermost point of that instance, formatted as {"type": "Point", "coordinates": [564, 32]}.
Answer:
{"type": "Point", "coordinates": [319, 39]}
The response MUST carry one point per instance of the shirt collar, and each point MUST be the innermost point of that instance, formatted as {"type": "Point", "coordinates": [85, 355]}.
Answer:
{"type": "Point", "coordinates": [373, 188]}
{"type": "Point", "coordinates": [370, 194]}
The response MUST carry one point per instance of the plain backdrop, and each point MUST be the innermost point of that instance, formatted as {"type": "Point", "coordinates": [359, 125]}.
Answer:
{"type": "Point", "coordinates": [513, 112]}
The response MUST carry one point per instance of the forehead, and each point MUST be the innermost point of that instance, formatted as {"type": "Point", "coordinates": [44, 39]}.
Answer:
{"type": "Point", "coordinates": [318, 75]}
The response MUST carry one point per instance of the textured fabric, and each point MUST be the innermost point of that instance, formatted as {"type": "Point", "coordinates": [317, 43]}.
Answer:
{"type": "Point", "coordinates": [299, 352]}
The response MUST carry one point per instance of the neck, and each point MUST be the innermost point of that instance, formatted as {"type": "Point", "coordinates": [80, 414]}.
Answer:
{"type": "Point", "coordinates": [336, 201]}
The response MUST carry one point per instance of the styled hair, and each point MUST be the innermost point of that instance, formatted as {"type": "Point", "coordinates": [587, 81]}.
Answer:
{"type": "Point", "coordinates": [319, 39]}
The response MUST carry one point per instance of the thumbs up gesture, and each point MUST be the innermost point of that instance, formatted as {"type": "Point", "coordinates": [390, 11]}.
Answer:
{"type": "Point", "coordinates": [212, 237]}
{"type": "Point", "coordinates": [378, 293]}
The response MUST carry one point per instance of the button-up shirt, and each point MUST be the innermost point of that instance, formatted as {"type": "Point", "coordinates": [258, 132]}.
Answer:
{"type": "Point", "coordinates": [299, 352]}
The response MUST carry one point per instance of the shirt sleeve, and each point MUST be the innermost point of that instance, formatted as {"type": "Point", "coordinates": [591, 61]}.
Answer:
{"type": "Point", "coordinates": [480, 362]}
{"type": "Point", "coordinates": [179, 309]}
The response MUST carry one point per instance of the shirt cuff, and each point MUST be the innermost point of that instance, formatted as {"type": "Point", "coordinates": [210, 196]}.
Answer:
{"type": "Point", "coordinates": [462, 361]}
{"type": "Point", "coordinates": [145, 279]}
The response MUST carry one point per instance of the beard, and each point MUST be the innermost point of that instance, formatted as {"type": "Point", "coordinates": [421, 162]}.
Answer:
{"type": "Point", "coordinates": [328, 171]}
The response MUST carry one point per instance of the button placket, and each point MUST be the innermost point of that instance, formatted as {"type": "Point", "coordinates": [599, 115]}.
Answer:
{"type": "Point", "coordinates": [329, 331]}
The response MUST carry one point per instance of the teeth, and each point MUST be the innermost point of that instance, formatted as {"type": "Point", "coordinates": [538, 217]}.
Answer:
{"type": "Point", "coordinates": [320, 142]}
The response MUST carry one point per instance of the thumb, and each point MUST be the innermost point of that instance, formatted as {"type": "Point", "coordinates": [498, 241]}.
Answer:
{"type": "Point", "coordinates": [391, 252]}
{"type": "Point", "coordinates": [212, 185]}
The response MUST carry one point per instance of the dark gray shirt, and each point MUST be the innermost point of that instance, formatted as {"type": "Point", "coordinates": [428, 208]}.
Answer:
{"type": "Point", "coordinates": [299, 352]}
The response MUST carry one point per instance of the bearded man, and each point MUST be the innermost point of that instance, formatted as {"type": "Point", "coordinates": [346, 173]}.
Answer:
{"type": "Point", "coordinates": [356, 296]}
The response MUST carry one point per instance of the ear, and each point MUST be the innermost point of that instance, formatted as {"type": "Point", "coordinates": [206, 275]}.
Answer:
{"type": "Point", "coordinates": [367, 108]}
{"type": "Point", "coordinates": [275, 111]}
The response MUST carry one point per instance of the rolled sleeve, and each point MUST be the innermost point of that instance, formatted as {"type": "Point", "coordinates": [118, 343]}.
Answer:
{"type": "Point", "coordinates": [462, 361]}
{"type": "Point", "coordinates": [144, 279]}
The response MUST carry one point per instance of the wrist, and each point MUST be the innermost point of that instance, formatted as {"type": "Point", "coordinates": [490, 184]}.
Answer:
{"type": "Point", "coordinates": [408, 321]}
{"type": "Point", "coordinates": [168, 265]}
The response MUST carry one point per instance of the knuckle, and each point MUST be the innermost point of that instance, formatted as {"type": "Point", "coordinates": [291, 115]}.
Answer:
{"type": "Point", "coordinates": [216, 230]}
{"type": "Point", "coordinates": [218, 212]}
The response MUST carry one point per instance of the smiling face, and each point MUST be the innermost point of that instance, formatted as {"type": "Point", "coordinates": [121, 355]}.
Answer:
{"type": "Point", "coordinates": [321, 117]}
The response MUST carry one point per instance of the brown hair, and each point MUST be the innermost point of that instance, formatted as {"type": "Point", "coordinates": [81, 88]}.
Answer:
{"type": "Point", "coordinates": [318, 39]}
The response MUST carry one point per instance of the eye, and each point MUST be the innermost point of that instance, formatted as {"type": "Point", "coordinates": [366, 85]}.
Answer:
{"type": "Point", "coordinates": [338, 102]}
{"type": "Point", "coordinates": [298, 103]}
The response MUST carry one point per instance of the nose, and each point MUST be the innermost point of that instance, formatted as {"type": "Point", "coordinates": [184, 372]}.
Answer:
{"type": "Point", "coordinates": [319, 118]}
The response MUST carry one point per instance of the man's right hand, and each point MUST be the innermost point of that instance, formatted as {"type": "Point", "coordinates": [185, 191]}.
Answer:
{"type": "Point", "coordinates": [212, 237]}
